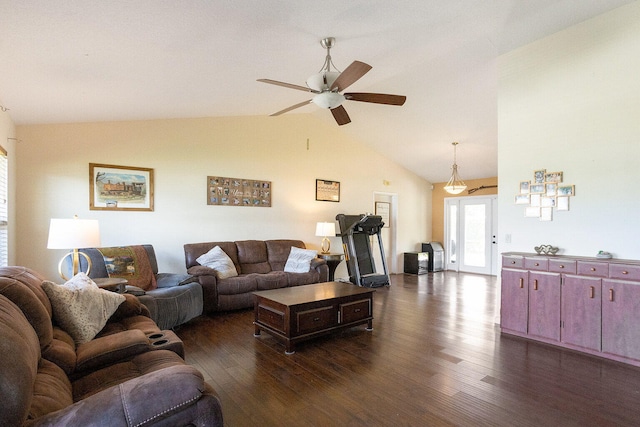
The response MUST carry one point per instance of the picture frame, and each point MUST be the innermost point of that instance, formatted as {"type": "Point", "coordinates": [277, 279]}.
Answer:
{"type": "Point", "coordinates": [537, 188]}
{"type": "Point", "coordinates": [120, 188]}
{"type": "Point", "coordinates": [538, 176]}
{"type": "Point", "coordinates": [551, 189]}
{"type": "Point", "coordinates": [327, 190]}
{"type": "Point", "coordinates": [562, 203]}
{"type": "Point", "coordinates": [226, 191]}
{"type": "Point", "coordinates": [553, 177]}
{"type": "Point", "coordinates": [383, 209]}
{"type": "Point", "coordinates": [522, 199]}
{"type": "Point", "coordinates": [532, 212]}
{"type": "Point", "coordinates": [566, 190]}
{"type": "Point", "coordinates": [525, 187]}
{"type": "Point", "coordinates": [546, 214]}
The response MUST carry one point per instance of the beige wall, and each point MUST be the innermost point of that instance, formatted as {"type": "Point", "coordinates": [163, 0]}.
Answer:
{"type": "Point", "coordinates": [8, 142]}
{"type": "Point", "coordinates": [438, 196]}
{"type": "Point", "coordinates": [570, 103]}
{"type": "Point", "coordinates": [53, 182]}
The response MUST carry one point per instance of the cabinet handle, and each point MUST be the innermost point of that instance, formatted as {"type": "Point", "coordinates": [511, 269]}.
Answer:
{"type": "Point", "coordinates": [610, 294]}
{"type": "Point", "coordinates": [535, 285]}
{"type": "Point", "coordinates": [593, 269]}
{"type": "Point", "coordinates": [561, 266]}
{"type": "Point", "coordinates": [357, 310]}
{"type": "Point", "coordinates": [592, 292]}
{"type": "Point", "coordinates": [625, 272]}
{"type": "Point", "coordinates": [513, 262]}
{"type": "Point", "coordinates": [521, 283]}
{"type": "Point", "coordinates": [536, 264]}
{"type": "Point", "coordinates": [316, 319]}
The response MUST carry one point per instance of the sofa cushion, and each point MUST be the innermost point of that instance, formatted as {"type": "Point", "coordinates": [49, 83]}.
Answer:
{"type": "Point", "coordinates": [272, 280]}
{"type": "Point", "coordinates": [238, 285]}
{"type": "Point", "coordinates": [131, 263]}
{"type": "Point", "coordinates": [175, 305]}
{"type": "Point", "coordinates": [252, 255]}
{"type": "Point", "coordinates": [278, 251]}
{"type": "Point", "coordinates": [299, 260]}
{"type": "Point", "coordinates": [51, 390]}
{"type": "Point", "coordinates": [80, 307]}
{"type": "Point", "coordinates": [219, 261]}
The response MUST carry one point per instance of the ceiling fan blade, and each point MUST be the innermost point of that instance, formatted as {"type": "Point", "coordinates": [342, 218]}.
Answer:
{"type": "Point", "coordinates": [289, 85]}
{"type": "Point", "coordinates": [293, 107]}
{"type": "Point", "coordinates": [377, 98]}
{"type": "Point", "coordinates": [340, 114]}
{"type": "Point", "coordinates": [350, 75]}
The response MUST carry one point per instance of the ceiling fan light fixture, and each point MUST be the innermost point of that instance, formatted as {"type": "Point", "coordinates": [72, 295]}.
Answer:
{"type": "Point", "coordinates": [455, 185]}
{"type": "Point", "coordinates": [322, 81]}
{"type": "Point", "coordinates": [328, 99]}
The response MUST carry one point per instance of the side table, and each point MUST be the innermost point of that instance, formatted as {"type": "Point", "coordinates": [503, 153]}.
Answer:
{"type": "Point", "coordinates": [112, 284]}
{"type": "Point", "coordinates": [332, 261]}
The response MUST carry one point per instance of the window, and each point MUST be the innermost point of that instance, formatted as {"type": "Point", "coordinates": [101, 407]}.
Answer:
{"type": "Point", "coordinates": [4, 209]}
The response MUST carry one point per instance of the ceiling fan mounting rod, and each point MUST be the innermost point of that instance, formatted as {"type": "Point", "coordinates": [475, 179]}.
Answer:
{"type": "Point", "coordinates": [328, 43]}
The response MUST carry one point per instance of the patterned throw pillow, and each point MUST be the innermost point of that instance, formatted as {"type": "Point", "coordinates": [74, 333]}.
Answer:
{"type": "Point", "coordinates": [80, 307]}
{"type": "Point", "coordinates": [218, 260]}
{"type": "Point", "coordinates": [299, 260]}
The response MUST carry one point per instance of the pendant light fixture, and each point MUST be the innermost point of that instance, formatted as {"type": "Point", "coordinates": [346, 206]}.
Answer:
{"type": "Point", "coordinates": [455, 185]}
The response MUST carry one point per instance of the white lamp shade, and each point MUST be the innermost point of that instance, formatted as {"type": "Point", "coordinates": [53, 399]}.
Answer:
{"type": "Point", "coordinates": [325, 229]}
{"type": "Point", "coordinates": [73, 233]}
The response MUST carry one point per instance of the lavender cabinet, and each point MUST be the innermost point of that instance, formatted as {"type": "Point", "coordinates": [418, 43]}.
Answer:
{"type": "Point", "coordinates": [581, 312]}
{"type": "Point", "coordinates": [585, 304]}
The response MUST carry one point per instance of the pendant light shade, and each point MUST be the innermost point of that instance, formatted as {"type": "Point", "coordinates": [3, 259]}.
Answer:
{"type": "Point", "coordinates": [455, 185]}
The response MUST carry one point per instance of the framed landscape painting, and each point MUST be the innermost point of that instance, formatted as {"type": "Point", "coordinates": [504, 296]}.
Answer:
{"type": "Point", "coordinates": [120, 188]}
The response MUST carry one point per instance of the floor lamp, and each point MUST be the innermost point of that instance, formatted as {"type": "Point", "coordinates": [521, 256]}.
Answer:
{"type": "Point", "coordinates": [73, 234]}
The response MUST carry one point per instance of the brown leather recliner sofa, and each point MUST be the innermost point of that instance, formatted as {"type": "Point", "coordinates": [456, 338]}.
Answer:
{"type": "Point", "coordinates": [260, 266]}
{"type": "Point", "coordinates": [131, 373]}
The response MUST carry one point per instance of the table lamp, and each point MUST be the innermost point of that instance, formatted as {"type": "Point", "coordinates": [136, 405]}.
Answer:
{"type": "Point", "coordinates": [73, 234]}
{"type": "Point", "coordinates": [326, 229]}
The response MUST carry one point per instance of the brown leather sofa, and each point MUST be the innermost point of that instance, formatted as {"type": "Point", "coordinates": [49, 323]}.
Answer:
{"type": "Point", "coordinates": [260, 266]}
{"type": "Point", "coordinates": [131, 373]}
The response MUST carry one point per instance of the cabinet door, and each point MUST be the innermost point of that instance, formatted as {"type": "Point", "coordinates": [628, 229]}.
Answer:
{"type": "Point", "coordinates": [544, 305]}
{"type": "Point", "coordinates": [581, 312]}
{"type": "Point", "coordinates": [621, 318]}
{"type": "Point", "coordinates": [513, 300]}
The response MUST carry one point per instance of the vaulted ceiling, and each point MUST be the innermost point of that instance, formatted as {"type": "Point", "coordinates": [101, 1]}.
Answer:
{"type": "Point", "coordinates": [77, 61]}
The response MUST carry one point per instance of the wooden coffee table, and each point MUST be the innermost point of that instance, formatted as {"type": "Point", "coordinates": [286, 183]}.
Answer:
{"type": "Point", "coordinates": [303, 312]}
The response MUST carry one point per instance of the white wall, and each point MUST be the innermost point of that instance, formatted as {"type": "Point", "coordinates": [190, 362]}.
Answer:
{"type": "Point", "coordinates": [53, 182]}
{"type": "Point", "coordinates": [571, 103]}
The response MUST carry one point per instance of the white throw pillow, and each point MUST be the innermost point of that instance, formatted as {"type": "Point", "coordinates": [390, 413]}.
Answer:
{"type": "Point", "coordinates": [80, 307]}
{"type": "Point", "coordinates": [217, 259]}
{"type": "Point", "coordinates": [299, 260]}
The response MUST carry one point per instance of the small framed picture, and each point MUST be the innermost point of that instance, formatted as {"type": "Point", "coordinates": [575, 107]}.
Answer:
{"type": "Point", "coordinates": [551, 189]}
{"type": "Point", "coordinates": [566, 190]}
{"type": "Point", "coordinates": [327, 191]}
{"type": "Point", "coordinates": [522, 199]}
{"type": "Point", "coordinates": [538, 176]}
{"type": "Point", "coordinates": [532, 212]}
{"type": "Point", "coordinates": [524, 187]}
{"type": "Point", "coordinates": [120, 188]}
{"type": "Point", "coordinates": [553, 177]}
{"type": "Point", "coordinates": [562, 203]}
{"type": "Point", "coordinates": [547, 202]}
{"type": "Point", "coordinates": [546, 214]}
{"type": "Point", "coordinates": [536, 200]}
{"type": "Point", "coordinates": [537, 188]}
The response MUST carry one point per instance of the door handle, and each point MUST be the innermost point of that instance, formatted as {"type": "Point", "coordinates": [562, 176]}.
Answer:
{"type": "Point", "coordinates": [611, 294]}
{"type": "Point", "coordinates": [521, 283]}
{"type": "Point", "coordinates": [535, 285]}
{"type": "Point", "coordinates": [592, 292]}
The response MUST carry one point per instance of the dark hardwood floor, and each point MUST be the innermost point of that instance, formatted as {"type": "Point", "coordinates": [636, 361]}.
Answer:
{"type": "Point", "coordinates": [435, 357]}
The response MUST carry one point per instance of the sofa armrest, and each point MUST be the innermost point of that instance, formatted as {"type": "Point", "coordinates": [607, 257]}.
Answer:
{"type": "Point", "coordinates": [175, 396]}
{"type": "Point", "coordinates": [110, 349]}
{"type": "Point", "coordinates": [129, 308]}
{"type": "Point", "coordinates": [168, 280]}
{"type": "Point", "coordinates": [320, 265]}
{"type": "Point", "coordinates": [201, 270]}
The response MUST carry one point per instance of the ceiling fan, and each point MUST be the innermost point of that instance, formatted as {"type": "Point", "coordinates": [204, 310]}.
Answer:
{"type": "Point", "coordinates": [327, 85]}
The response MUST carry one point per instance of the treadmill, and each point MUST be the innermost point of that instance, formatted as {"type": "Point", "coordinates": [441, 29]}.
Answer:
{"type": "Point", "coordinates": [355, 231]}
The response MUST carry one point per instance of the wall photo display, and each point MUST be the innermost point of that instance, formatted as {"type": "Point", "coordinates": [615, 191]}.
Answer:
{"type": "Point", "coordinates": [545, 193]}
{"type": "Point", "coordinates": [224, 191]}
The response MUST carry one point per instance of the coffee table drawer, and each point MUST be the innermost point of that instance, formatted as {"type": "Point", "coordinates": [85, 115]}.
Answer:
{"type": "Point", "coordinates": [316, 319]}
{"type": "Point", "coordinates": [270, 317]}
{"type": "Point", "coordinates": [354, 311]}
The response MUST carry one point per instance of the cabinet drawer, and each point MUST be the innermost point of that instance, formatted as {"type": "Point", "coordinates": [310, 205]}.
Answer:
{"type": "Point", "coordinates": [624, 271]}
{"type": "Point", "coordinates": [512, 261]}
{"type": "Point", "coordinates": [271, 317]}
{"type": "Point", "coordinates": [316, 319]}
{"type": "Point", "coordinates": [562, 266]}
{"type": "Point", "coordinates": [592, 268]}
{"type": "Point", "coordinates": [541, 264]}
{"type": "Point", "coordinates": [354, 311]}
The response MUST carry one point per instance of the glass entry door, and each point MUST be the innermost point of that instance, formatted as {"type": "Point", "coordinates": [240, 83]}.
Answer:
{"type": "Point", "coordinates": [470, 243]}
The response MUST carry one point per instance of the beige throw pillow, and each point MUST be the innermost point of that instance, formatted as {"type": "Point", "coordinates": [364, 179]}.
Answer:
{"type": "Point", "coordinates": [80, 307]}
{"type": "Point", "coordinates": [218, 260]}
{"type": "Point", "coordinates": [299, 260]}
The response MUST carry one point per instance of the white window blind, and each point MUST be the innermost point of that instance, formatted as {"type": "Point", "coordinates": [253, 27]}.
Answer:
{"type": "Point", "coordinates": [4, 208]}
